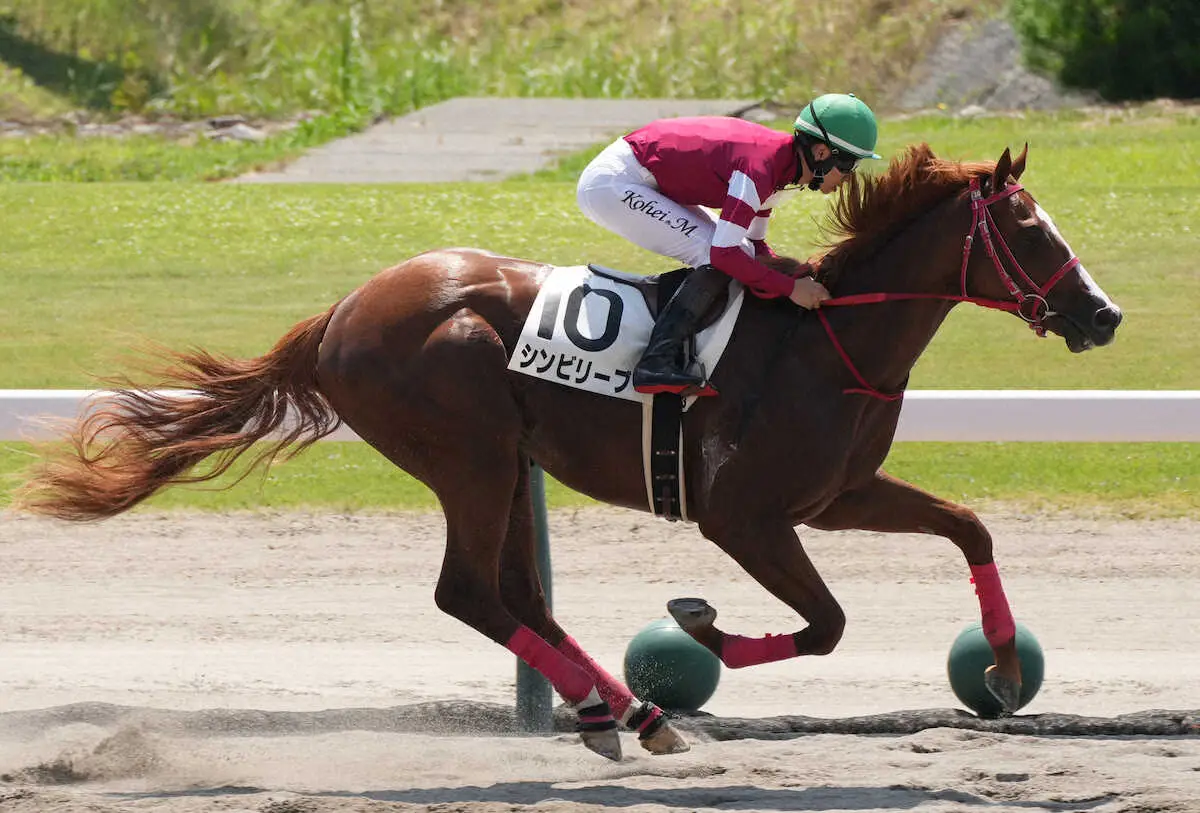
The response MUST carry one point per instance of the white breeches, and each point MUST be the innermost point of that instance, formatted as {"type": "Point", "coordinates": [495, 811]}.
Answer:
{"type": "Point", "coordinates": [618, 193]}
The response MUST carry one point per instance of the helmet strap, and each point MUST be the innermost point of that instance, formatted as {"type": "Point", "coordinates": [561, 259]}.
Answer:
{"type": "Point", "coordinates": [819, 168]}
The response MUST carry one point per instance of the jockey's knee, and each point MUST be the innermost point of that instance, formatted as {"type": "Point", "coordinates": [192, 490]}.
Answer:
{"type": "Point", "coordinates": [583, 194]}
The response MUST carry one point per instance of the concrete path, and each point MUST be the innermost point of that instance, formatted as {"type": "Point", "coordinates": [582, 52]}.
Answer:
{"type": "Point", "coordinates": [469, 139]}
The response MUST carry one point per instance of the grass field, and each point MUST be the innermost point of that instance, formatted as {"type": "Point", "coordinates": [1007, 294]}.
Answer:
{"type": "Point", "coordinates": [92, 270]}
{"type": "Point", "coordinates": [273, 57]}
{"type": "Point", "coordinates": [348, 63]}
{"type": "Point", "coordinates": [68, 158]}
{"type": "Point", "coordinates": [1136, 480]}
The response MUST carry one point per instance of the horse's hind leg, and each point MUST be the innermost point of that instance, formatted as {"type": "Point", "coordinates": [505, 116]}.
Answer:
{"type": "Point", "coordinates": [891, 505]}
{"type": "Point", "coordinates": [446, 415]}
{"type": "Point", "coordinates": [477, 504]}
{"type": "Point", "coordinates": [523, 596]}
{"type": "Point", "coordinates": [769, 551]}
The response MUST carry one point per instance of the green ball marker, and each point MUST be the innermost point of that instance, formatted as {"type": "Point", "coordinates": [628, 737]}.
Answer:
{"type": "Point", "coordinates": [665, 665]}
{"type": "Point", "coordinates": [970, 656]}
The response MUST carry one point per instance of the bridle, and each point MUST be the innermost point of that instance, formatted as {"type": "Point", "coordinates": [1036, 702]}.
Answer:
{"type": "Point", "coordinates": [981, 220]}
{"type": "Point", "coordinates": [1033, 295]}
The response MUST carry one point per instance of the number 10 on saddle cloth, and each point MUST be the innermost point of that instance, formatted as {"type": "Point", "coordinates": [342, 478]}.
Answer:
{"type": "Point", "coordinates": [587, 331]}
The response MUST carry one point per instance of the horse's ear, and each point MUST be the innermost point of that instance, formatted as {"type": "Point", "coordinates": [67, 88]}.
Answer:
{"type": "Point", "coordinates": [1018, 165]}
{"type": "Point", "coordinates": [1001, 172]}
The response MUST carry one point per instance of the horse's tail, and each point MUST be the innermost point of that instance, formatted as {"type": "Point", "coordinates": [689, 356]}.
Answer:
{"type": "Point", "coordinates": [141, 440]}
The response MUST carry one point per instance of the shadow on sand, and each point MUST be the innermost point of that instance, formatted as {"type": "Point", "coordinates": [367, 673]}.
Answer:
{"type": "Point", "coordinates": [731, 797]}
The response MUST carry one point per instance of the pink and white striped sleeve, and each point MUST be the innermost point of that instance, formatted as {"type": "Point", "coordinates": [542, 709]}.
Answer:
{"type": "Point", "coordinates": [741, 211]}
{"type": "Point", "coordinates": [758, 233]}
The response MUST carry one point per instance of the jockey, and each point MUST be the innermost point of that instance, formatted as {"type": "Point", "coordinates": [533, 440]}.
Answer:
{"type": "Point", "coordinates": [650, 185]}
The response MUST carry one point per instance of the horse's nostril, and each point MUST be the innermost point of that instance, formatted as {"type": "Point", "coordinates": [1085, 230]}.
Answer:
{"type": "Point", "coordinates": [1107, 318]}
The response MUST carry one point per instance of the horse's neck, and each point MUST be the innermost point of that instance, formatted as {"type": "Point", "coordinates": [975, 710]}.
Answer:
{"type": "Point", "coordinates": [885, 340]}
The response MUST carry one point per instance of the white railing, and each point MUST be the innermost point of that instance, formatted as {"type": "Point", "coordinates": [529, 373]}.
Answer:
{"type": "Point", "coordinates": [945, 415]}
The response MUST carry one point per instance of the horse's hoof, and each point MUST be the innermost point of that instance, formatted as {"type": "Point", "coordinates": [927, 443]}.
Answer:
{"type": "Point", "coordinates": [664, 740]}
{"type": "Point", "coordinates": [598, 730]}
{"type": "Point", "coordinates": [690, 613]}
{"type": "Point", "coordinates": [654, 732]}
{"type": "Point", "coordinates": [605, 743]}
{"type": "Point", "coordinates": [1006, 691]}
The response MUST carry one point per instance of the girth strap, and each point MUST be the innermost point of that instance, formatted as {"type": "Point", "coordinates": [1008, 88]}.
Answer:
{"type": "Point", "coordinates": [662, 456]}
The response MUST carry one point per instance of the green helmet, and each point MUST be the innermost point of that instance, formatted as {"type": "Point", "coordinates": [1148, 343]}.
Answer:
{"type": "Point", "coordinates": [843, 121]}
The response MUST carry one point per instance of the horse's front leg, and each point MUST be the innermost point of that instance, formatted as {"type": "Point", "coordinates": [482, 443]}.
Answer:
{"type": "Point", "coordinates": [890, 505]}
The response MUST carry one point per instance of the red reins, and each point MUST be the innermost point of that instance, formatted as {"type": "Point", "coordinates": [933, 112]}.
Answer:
{"type": "Point", "coordinates": [981, 221]}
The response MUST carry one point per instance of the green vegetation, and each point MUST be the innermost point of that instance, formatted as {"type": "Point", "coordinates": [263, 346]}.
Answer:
{"type": "Point", "coordinates": [91, 271]}
{"type": "Point", "coordinates": [351, 62]}
{"type": "Point", "coordinates": [92, 266]}
{"type": "Point", "coordinates": [1119, 479]}
{"type": "Point", "coordinates": [331, 475]}
{"type": "Point", "coordinates": [136, 158]}
{"type": "Point", "coordinates": [273, 57]}
{"type": "Point", "coordinates": [23, 99]}
{"type": "Point", "coordinates": [1125, 49]}
{"type": "Point", "coordinates": [66, 157]}
{"type": "Point", "coordinates": [1116, 479]}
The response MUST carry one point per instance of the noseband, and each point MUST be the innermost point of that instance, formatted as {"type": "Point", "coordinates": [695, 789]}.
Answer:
{"type": "Point", "coordinates": [1030, 305]}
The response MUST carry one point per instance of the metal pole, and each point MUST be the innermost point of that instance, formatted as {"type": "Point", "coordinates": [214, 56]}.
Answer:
{"type": "Point", "coordinates": [535, 697]}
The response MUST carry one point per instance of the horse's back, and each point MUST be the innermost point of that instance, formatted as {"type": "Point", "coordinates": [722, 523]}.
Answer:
{"type": "Point", "coordinates": [416, 362]}
{"type": "Point", "coordinates": [423, 338]}
{"type": "Point", "coordinates": [441, 295]}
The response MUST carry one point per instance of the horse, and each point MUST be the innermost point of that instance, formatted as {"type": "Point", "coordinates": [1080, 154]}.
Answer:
{"type": "Point", "coordinates": [416, 362]}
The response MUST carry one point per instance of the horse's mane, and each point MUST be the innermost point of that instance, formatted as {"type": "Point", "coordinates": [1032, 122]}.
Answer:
{"type": "Point", "coordinates": [869, 210]}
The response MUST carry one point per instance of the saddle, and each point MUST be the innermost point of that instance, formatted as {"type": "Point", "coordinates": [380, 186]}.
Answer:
{"type": "Point", "coordinates": [657, 290]}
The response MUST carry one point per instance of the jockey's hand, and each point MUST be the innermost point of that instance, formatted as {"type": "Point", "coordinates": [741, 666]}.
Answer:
{"type": "Point", "coordinates": [808, 293]}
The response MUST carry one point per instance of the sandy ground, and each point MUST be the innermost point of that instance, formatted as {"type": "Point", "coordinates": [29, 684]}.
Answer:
{"type": "Point", "coordinates": [310, 612]}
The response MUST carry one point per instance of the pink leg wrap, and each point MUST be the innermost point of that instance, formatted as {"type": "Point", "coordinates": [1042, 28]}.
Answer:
{"type": "Point", "coordinates": [613, 692]}
{"type": "Point", "coordinates": [738, 651]}
{"type": "Point", "coordinates": [998, 625]}
{"type": "Point", "coordinates": [568, 679]}
{"type": "Point", "coordinates": [655, 714]}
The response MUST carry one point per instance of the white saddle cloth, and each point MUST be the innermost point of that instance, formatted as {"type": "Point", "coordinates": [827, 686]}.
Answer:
{"type": "Point", "coordinates": [588, 331]}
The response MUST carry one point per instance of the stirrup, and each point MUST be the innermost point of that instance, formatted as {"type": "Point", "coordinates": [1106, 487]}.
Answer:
{"type": "Point", "coordinates": [704, 390]}
{"type": "Point", "coordinates": [695, 385]}
{"type": "Point", "coordinates": [701, 390]}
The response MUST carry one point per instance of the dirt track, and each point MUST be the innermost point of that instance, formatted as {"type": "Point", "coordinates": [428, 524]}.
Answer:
{"type": "Point", "coordinates": [306, 612]}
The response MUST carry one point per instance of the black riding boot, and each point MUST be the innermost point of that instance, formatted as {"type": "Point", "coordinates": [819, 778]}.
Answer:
{"type": "Point", "coordinates": [663, 367]}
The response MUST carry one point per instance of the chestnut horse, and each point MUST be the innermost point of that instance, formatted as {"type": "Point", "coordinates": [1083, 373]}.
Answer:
{"type": "Point", "coordinates": [416, 362]}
